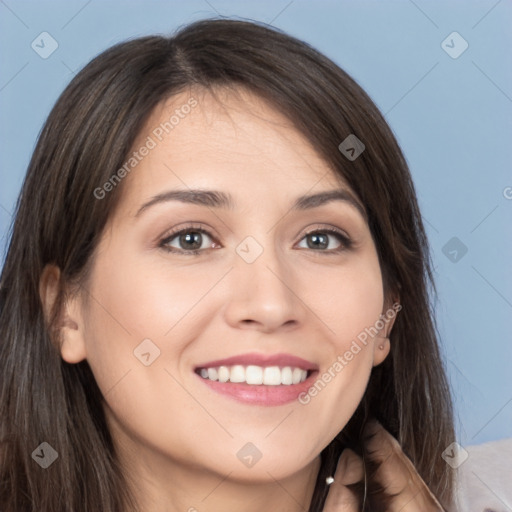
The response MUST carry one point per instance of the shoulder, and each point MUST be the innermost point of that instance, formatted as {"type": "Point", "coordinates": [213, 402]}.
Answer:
{"type": "Point", "coordinates": [484, 478]}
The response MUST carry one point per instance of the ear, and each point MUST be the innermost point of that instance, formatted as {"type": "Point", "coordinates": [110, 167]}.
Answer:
{"type": "Point", "coordinates": [382, 343]}
{"type": "Point", "coordinates": [69, 324]}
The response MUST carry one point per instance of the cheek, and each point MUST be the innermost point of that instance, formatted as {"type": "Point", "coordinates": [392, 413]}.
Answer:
{"type": "Point", "coordinates": [346, 299]}
{"type": "Point", "coordinates": [131, 304]}
{"type": "Point", "coordinates": [349, 303]}
{"type": "Point", "coordinates": [136, 301]}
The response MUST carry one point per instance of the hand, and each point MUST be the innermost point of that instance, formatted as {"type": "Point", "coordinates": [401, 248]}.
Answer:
{"type": "Point", "coordinates": [396, 474]}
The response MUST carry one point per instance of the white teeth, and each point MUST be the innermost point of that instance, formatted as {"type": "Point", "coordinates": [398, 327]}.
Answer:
{"type": "Point", "coordinates": [256, 375]}
{"type": "Point", "coordinates": [286, 376]}
{"type": "Point", "coordinates": [296, 375]}
{"type": "Point", "coordinates": [237, 374]}
{"type": "Point", "coordinates": [272, 376]}
{"type": "Point", "coordinates": [223, 374]}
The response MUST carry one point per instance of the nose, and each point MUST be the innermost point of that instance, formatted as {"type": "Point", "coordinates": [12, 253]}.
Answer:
{"type": "Point", "coordinates": [264, 295]}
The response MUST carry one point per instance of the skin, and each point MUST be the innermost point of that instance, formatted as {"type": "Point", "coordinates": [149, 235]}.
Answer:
{"type": "Point", "coordinates": [177, 439]}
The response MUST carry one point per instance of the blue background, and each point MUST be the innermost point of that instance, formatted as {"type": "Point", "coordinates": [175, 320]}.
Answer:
{"type": "Point", "coordinates": [452, 117]}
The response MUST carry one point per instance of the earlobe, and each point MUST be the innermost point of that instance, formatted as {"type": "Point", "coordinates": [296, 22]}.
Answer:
{"type": "Point", "coordinates": [381, 349]}
{"type": "Point", "coordinates": [382, 345]}
{"type": "Point", "coordinates": [68, 325]}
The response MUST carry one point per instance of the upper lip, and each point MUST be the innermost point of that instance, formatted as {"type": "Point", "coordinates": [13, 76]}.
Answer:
{"type": "Point", "coordinates": [263, 360]}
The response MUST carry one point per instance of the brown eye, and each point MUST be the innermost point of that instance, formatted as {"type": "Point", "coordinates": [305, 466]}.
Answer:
{"type": "Point", "coordinates": [318, 240]}
{"type": "Point", "coordinates": [187, 240]}
{"type": "Point", "coordinates": [322, 240]}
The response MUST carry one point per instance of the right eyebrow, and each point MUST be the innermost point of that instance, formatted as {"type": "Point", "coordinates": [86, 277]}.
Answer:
{"type": "Point", "coordinates": [211, 198]}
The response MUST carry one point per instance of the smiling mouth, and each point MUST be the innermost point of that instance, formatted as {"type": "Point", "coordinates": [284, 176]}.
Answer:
{"type": "Point", "coordinates": [253, 375]}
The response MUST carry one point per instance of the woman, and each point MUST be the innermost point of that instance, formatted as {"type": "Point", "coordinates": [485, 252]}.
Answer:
{"type": "Point", "coordinates": [217, 281]}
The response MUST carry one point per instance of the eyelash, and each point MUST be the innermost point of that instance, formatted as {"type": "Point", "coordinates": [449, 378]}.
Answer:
{"type": "Point", "coordinates": [346, 243]}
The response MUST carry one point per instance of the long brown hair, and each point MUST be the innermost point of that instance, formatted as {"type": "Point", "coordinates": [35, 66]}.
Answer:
{"type": "Point", "coordinates": [59, 221]}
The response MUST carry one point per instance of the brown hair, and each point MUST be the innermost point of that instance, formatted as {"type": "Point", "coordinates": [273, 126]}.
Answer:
{"type": "Point", "coordinates": [58, 220]}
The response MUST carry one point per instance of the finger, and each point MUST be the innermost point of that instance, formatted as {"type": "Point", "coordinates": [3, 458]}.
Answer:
{"type": "Point", "coordinates": [348, 471]}
{"type": "Point", "coordinates": [397, 473]}
{"type": "Point", "coordinates": [350, 468]}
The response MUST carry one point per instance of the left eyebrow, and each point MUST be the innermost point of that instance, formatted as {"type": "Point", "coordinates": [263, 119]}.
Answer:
{"type": "Point", "coordinates": [218, 199]}
{"type": "Point", "coordinates": [321, 198]}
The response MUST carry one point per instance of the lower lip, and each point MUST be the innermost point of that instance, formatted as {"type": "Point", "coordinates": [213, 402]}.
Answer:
{"type": "Point", "coordinates": [260, 395]}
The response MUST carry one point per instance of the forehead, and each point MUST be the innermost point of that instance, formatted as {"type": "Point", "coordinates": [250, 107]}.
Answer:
{"type": "Point", "coordinates": [226, 138]}
{"type": "Point", "coordinates": [221, 116]}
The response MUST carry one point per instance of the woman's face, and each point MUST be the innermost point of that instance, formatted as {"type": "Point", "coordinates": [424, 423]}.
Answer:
{"type": "Point", "coordinates": [258, 282]}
